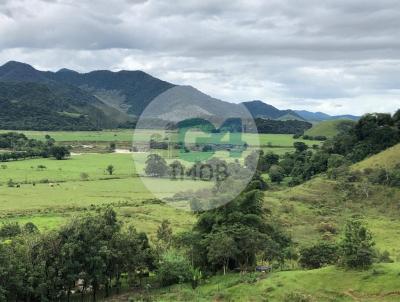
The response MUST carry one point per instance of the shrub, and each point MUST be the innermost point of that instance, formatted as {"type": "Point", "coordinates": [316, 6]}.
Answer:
{"type": "Point", "coordinates": [174, 268]}
{"type": "Point", "coordinates": [84, 176]}
{"type": "Point", "coordinates": [10, 229]}
{"type": "Point", "coordinates": [318, 255]}
{"type": "Point", "coordinates": [356, 246]}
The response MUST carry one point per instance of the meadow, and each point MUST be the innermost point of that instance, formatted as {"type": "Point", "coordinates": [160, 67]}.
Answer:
{"type": "Point", "coordinates": [48, 191]}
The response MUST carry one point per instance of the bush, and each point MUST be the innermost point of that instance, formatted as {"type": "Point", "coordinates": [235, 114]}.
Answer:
{"type": "Point", "coordinates": [174, 268]}
{"type": "Point", "coordinates": [357, 246]}
{"type": "Point", "coordinates": [84, 176]}
{"type": "Point", "coordinates": [276, 173]}
{"type": "Point", "coordinates": [318, 255]}
{"type": "Point", "coordinates": [10, 229]}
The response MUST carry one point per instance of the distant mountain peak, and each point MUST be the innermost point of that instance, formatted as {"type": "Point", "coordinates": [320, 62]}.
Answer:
{"type": "Point", "coordinates": [261, 109]}
{"type": "Point", "coordinates": [66, 70]}
{"type": "Point", "coordinates": [17, 71]}
{"type": "Point", "coordinates": [321, 116]}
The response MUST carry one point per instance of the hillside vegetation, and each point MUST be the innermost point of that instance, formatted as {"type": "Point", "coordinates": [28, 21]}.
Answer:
{"type": "Point", "coordinates": [320, 285]}
{"type": "Point", "coordinates": [386, 159]}
{"type": "Point", "coordinates": [329, 128]}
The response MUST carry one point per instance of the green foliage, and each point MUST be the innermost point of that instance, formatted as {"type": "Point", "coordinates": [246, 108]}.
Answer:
{"type": "Point", "coordinates": [93, 249]}
{"type": "Point", "coordinates": [276, 173]}
{"type": "Point", "coordinates": [173, 268]}
{"type": "Point", "coordinates": [284, 127]}
{"type": "Point", "coordinates": [110, 169]}
{"type": "Point", "coordinates": [164, 236]}
{"type": "Point", "coordinates": [59, 152]}
{"type": "Point", "coordinates": [35, 106]}
{"type": "Point", "coordinates": [318, 255]}
{"type": "Point", "coordinates": [231, 236]}
{"type": "Point", "coordinates": [370, 135]}
{"type": "Point", "coordinates": [30, 228]}
{"type": "Point", "coordinates": [356, 246]}
{"type": "Point", "coordinates": [300, 146]}
{"type": "Point", "coordinates": [10, 229]}
{"type": "Point", "coordinates": [156, 166]}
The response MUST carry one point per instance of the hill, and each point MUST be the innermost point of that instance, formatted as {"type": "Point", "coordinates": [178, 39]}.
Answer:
{"type": "Point", "coordinates": [385, 159]}
{"type": "Point", "coordinates": [109, 99]}
{"type": "Point", "coordinates": [323, 285]}
{"type": "Point", "coordinates": [35, 106]}
{"type": "Point", "coordinates": [320, 116]}
{"type": "Point", "coordinates": [188, 102]}
{"type": "Point", "coordinates": [259, 109]}
{"type": "Point", "coordinates": [37, 95]}
{"type": "Point", "coordinates": [127, 91]}
{"type": "Point", "coordinates": [329, 128]}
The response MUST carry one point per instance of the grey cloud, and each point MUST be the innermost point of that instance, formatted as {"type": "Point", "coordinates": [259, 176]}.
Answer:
{"type": "Point", "coordinates": [317, 54]}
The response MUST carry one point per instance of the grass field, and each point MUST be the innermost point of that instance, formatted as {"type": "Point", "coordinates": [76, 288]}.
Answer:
{"type": "Point", "coordinates": [50, 191]}
{"type": "Point", "coordinates": [386, 159]}
{"type": "Point", "coordinates": [326, 128]}
{"type": "Point", "coordinates": [321, 285]}
{"type": "Point", "coordinates": [281, 140]}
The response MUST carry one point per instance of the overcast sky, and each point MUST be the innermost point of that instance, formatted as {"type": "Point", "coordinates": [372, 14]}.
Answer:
{"type": "Point", "coordinates": [337, 56]}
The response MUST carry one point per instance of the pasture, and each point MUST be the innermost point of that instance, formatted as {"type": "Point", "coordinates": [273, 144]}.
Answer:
{"type": "Point", "coordinates": [48, 191]}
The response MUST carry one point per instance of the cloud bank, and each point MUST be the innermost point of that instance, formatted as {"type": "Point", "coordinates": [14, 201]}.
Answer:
{"type": "Point", "coordinates": [333, 56]}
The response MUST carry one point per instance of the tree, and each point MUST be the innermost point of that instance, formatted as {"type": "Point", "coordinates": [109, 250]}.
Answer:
{"type": "Point", "coordinates": [268, 160]}
{"type": "Point", "coordinates": [318, 255]}
{"type": "Point", "coordinates": [164, 234]}
{"type": "Point", "coordinates": [30, 228]}
{"type": "Point", "coordinates": [110, 169]}
{"type": "Point", "coordinates": [276, 173]}
{"type": "Point", "coordinates": [356, 246]}
{"type": "Point", "coordinates": [300, 146]}
{"type": "Point", "coordinates": [112, 146]}
{"type": "Point", "coordinates": [233, 235]}
{"type": "Point", "coordinates": [59, 152]}
{"type": "Point", "coordinates": [176, 170]}
{"type": "Point", "coordinates": [220, 248]}
{"type": "Point", "coordinates": [156, 166]}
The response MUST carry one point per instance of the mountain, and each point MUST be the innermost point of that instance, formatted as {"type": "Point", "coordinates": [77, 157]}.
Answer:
{"type": "Point", "coordinates": [127, 91]}
{"type": "Point", "coordinates": [320, 116]}
{"type": "Point", "coordinates": [188, 102]}
{"type": "Point", "coordinates": [104, 99]}
{"type": "Point", "coordinates": [259, 109]}
{"type": "Point", "coordinates": [36, 107]}
{"type": "Point", "coordinates": [65, 98]}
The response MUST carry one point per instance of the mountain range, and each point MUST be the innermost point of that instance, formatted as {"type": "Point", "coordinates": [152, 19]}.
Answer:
{"type": "Point", "coordinates": [68, 100]}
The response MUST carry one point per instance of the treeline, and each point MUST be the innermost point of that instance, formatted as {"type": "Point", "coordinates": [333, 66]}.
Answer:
{"type": "Point", "coordinates": [281, 127]}
{"type": "Point", "coordinates": [370, 135]}
{"type": "Point", "coordinates": [18, 146]}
